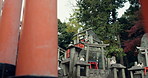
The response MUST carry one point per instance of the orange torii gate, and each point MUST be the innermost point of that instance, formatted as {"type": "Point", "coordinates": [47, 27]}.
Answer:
{"type": "Point", "coordinates": [144, 7]}
{"type": "Point", "coordinates": [9, 31]}
{"type": "Point", "coordinates": [37, 52]}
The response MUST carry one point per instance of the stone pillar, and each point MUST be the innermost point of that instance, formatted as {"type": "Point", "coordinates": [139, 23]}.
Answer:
{"type": "Point", "coordinates": [37, 55]}
{"type": "Point", "coordinates": [146, 56]}
{"type": "Point", "coordinates": [103, 59]}
{"type": "Point", "coordinates": [131, 73]}
{"type": "Point", "coordinates": [87, 70]}
{"type": "Point", "coordinates": [91, 39]}
{"type": "Point", "coordinates": [87, 53]}
{"type": "Point", "coordinates": [78, 70]}
{"type": "Point", "coordinates": [9, 31]}
{"type": "Point", "coordinates": [142, 73]}
{"type": "Point", "coordinates": [72, 62]}
{"type": "Point", "coordinates": [115, 72]}
{"type": "Point", "coordinates": [123, 73]}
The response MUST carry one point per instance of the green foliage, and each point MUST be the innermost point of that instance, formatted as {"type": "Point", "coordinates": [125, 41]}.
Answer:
{"type": "Point", "coordinates": [131, 23]}
{"type": "Point", "coordinates": [114, 50]}
{"type": "Point", "coordinates": [101, 15]}
{"type": "Point", "coordinates": [64, 37]}
{"type": "Point", "coordinates": [73, 24]}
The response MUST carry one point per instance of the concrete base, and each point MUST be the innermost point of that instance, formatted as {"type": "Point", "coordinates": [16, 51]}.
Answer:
{"type": "Point", "coordinates": [6, 70]}
{"type": "Point", "coordinates": [29, 76]}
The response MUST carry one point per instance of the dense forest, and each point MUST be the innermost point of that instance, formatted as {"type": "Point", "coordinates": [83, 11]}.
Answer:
{"type": "Point", "coordinates": [123, 34]}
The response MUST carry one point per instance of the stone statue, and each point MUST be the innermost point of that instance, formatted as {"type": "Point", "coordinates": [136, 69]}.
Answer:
{"type": "Point", "coordinates": [144, 43]}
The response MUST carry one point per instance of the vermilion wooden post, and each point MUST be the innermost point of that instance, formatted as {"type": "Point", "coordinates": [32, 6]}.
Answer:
{"type": "Point", "coordinates": [144, 4]}
{"type": "Point", "coordinates": [9, 30]}
{"type": "Point", "coordinates": [37, 55]}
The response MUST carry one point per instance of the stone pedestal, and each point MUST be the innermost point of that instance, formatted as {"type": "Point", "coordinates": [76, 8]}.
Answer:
{"type": "Point", "coordinates": [65, 66]}
{"type": "Point", "coordinates": [69, 65]}
{"type": "Point", "coordinates": [118, 70]}
{"type": "Point", "coordinates": [82, 69]}
{"type": "Point", "coordinates": [136, 72]}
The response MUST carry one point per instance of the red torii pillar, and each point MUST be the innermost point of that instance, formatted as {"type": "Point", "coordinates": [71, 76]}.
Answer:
{"type": "Point", "coordinates": [144, 6]}
{"type": "Point", "coordinates": [9, 31]}
{"type": "Point", "coordinates": [37, 55]}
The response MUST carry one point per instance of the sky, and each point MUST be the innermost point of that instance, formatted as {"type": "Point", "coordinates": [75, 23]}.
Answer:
{"type": "Point", "coordinates": [65, 8]}
{"type": "Point", "coordinates": [122, 10]}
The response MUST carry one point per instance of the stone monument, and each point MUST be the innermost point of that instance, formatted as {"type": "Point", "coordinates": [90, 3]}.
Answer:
{"type": "Point", "coordinates": [144, 44]}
